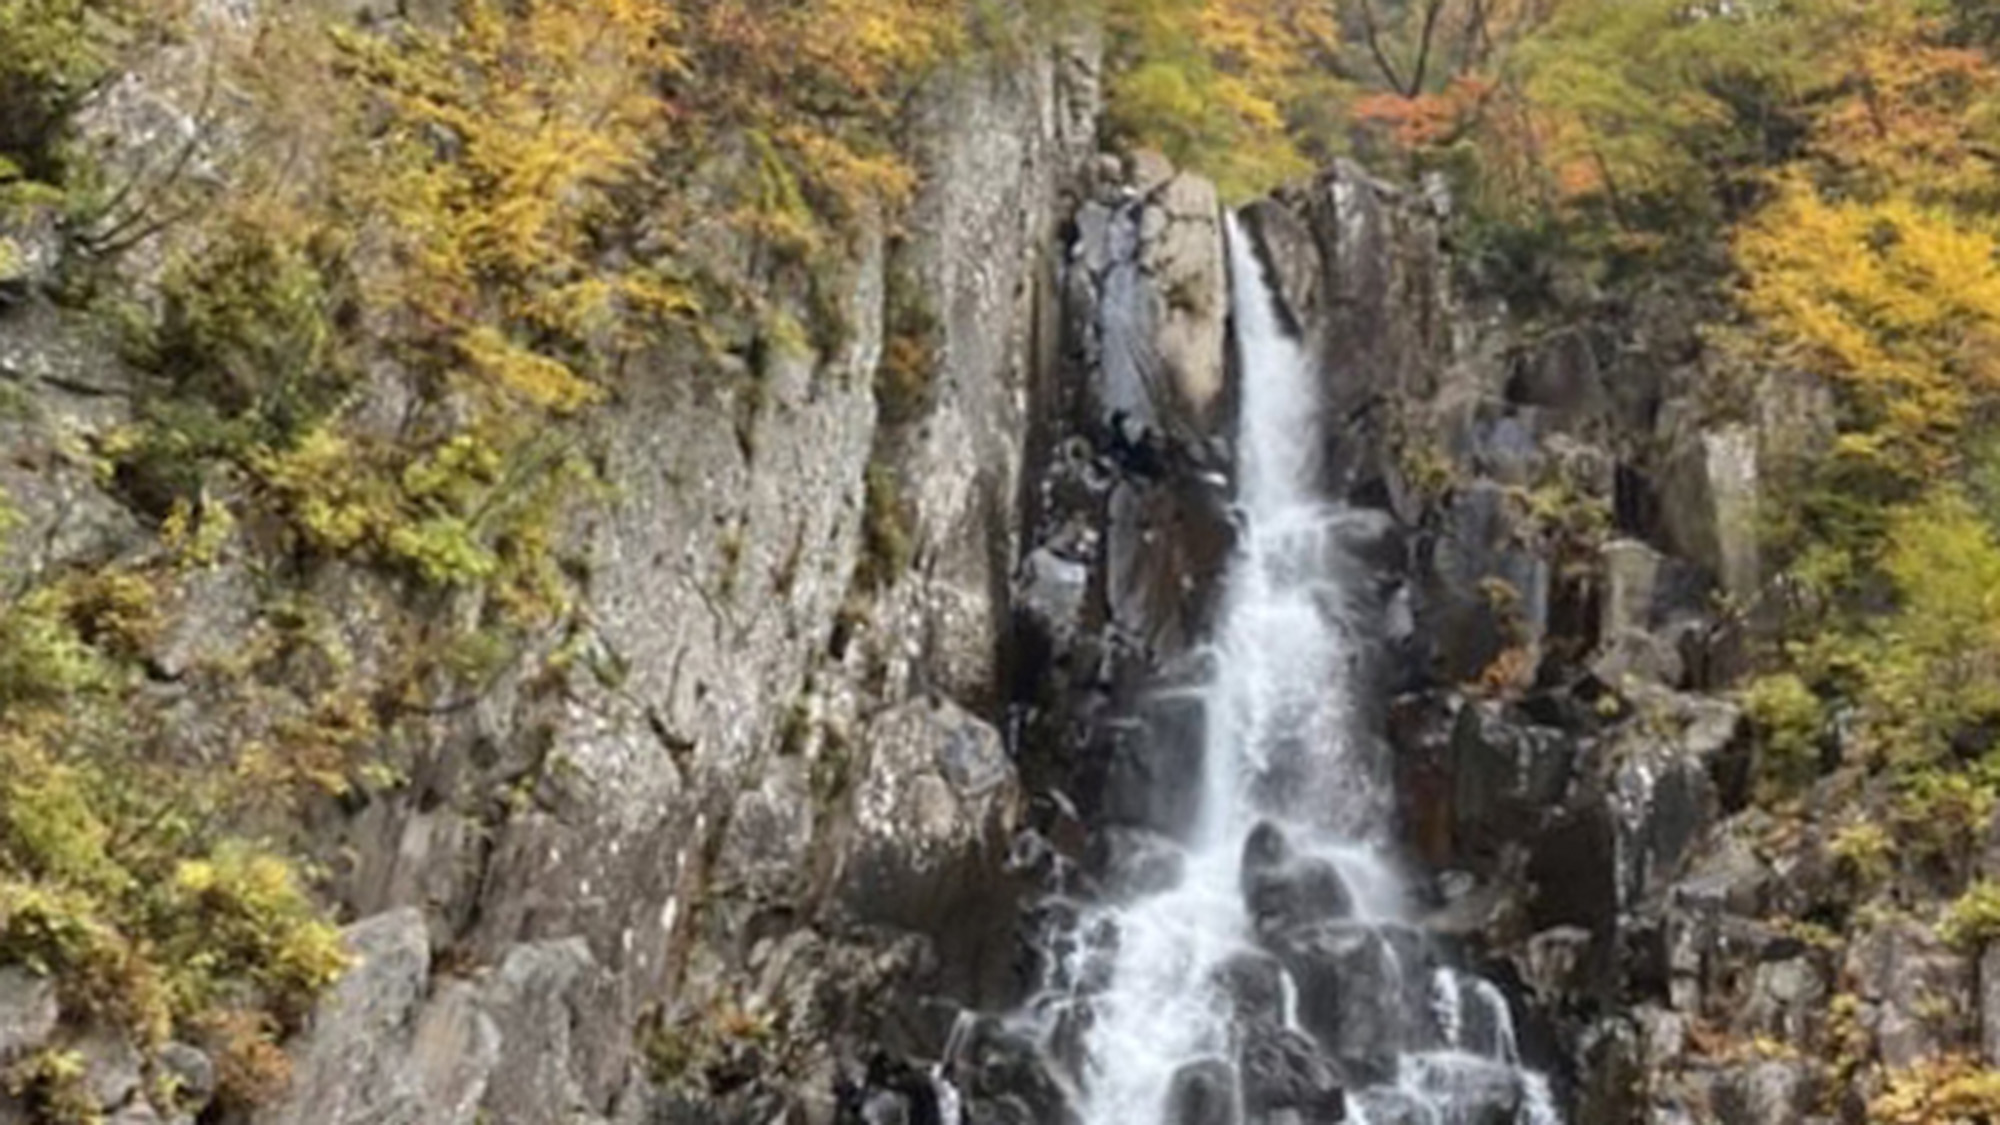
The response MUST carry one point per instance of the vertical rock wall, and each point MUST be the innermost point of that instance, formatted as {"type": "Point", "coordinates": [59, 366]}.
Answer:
{"type": "Point", "coordinates": [754, 833]}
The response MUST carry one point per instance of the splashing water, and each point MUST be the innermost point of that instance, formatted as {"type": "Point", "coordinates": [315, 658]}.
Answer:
{"type": "Point", "coordinates": [1149, 987]}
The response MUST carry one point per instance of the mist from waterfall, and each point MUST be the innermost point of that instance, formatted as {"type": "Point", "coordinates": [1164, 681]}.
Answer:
{"type": "Point", "coordinates": [1287, 858]}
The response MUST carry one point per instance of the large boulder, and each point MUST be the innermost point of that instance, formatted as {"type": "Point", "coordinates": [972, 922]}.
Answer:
{"type": "Point", "coordinates": [1284, 1070]}
{"type": "Point", "coordinates": [935, 808]}
{"type": "Point", "coordinates": [1709, 508]}
{"type": "Point", "coordinates": [1898, 969]}
{"type": "Point", "coordinates": [389, 1046]}
{"type": "Point", "coordinates": [1357, 993]}
{"type": "Point", "coordinates": [1203, 1093]}
{"type": "Point", "coordinates": [1283, 890]}
{"type": "Point", "coordinates": [352, 1065]}
{"type": "Point", "coordinates": [1181, 253]}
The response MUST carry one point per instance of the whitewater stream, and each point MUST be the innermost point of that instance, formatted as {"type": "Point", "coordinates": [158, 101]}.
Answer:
{"type": "Point", "coordinates": [1274, 974]}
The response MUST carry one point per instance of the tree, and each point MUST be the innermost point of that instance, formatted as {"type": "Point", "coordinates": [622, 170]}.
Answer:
{"type": "Point", "coordinates": [1236, 88]}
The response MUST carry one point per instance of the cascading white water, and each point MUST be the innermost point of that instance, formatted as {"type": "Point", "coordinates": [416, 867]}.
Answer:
{"type": "Point", "coordinates": [1281, 749]}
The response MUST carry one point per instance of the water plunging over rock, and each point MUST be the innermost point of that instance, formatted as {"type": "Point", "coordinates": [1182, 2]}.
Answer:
{"type": "Point", "coordinates": [1260, 965]}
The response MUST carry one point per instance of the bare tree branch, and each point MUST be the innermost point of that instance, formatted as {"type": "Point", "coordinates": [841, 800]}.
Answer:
{"type": "Point", "coordinates": [1432, 10]}
{"type": "Point", "coordinates": [1374, 35]}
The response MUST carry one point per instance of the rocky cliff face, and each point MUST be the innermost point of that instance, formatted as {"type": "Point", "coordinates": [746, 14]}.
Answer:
{"type": "Point", "coordinates": [756, 837]}
{"type": "Point", "coordinates": [1568, 553]}
{"type": "Point", "coordinates": [864, 665]}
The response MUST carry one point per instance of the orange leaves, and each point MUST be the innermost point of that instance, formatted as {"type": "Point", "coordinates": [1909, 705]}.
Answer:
{"type": "Point", "coordinates": [1428, 119]}
{"type": "Point", "coordinates": [1911, 110]}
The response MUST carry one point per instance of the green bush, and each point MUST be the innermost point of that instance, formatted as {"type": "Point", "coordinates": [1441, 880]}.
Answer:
{"type": "Point", "coordinates": [1866, 850]}
{"type": "Point", "coordinates": [51, 53]}
{"type": "Point", "coordinates": [1974, 919]}
{"type": "Point", "coordinates": [248, 332]}
{"type": "Point", "coordinates": [1788, 718]}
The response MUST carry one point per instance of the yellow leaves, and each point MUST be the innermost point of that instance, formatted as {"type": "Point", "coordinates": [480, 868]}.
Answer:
{"type": "Point", "coordinates": [1897, 300]}
{"type": "Point", "coordinates": [871, 45]}
{"type": "Point", "coordinates": [519, 138]}
{"type": "Point", "coordinates": [239, 909]}
{"type": "Point", "coordinates": [339, 506]}
{"type": "Point", "coordinates": [543, 382]}
{"type": "Point", "coordinates": [1223, 86]}
{"type": "Point", "coordinates": [851, 174]}
{"type": "Point", "coordinates": [1940, 1091]}
{"type": "Point", "coordinates": [1919, 675]}
{"type": "Point", "coordinates": [1269, 44]}
{"type": "Point", "coordinates": [509, 136]}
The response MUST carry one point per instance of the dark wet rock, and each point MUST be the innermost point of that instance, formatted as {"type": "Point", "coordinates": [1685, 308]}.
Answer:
{"type": "Point", "coordinates": [1557, 965]}
{"type": "Point", "coordinates": [1203, 1093]}
{"type": "Point", "coordinates": [1006, 1110]}
{"type": "Point", "coordinates": [1052, 592]}
{"type": "Point", "coordinates": [1132, 862]}
{"type": "Point", "coordinates": [1663, 797]}
{"type": "Point", "coordinates": [1356, 992]}
{"type": "Point", "coordinates": [1420, 726]}
{"type": "Point", "coordinates": [1255, 984]}
{"type": "Point", "coordinates": [1486, 593]}
{"type": "Point", "coordinates": [898, 1093]}
{"type": "Point", "coordinates": [1563, 374]}
{"type": "Point", "coordinates": [1506, 774]}
{"type": "Point", "coordinates": [998, 1067]}
{"type": "Point", "coordinates": [1283, 890]}
{"type": "Point", "coordinates": [1290, 256]}
{"type": "Point", "coordinates": [1032, 857]}
{"type": "Point", "coordinates": [1573, 866]}
{"type": "Point", "coordinates": [1165, 545]}
{"type": "Point", "coordinates": [1149, 759]}
{"type": "Point", "coordinates": [1478, 1092]}
{"type": "Point", "coordinates": [1283, 1070]}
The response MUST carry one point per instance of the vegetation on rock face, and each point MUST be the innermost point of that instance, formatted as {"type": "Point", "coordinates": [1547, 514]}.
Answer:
{"type": "Point", "coordinates": [120, 876]}
{"type": "Point", "coordinates": [409, 259]}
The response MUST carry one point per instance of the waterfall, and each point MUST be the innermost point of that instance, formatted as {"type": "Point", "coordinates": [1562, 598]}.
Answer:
{"type": "Point", "coordinates": [1279, 977]}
